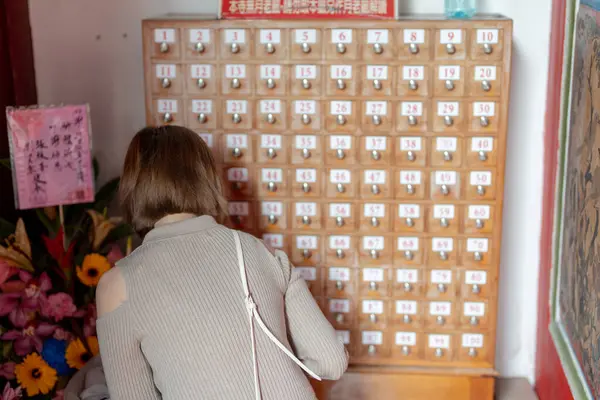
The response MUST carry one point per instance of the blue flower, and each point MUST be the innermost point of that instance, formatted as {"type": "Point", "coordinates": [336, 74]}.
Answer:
{"type": "Point", "coordinates": [53, 352]}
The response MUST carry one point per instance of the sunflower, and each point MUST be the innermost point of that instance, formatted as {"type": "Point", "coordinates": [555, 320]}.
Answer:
{"type": "Point", "coordinates": [94, 266]}
{"type": "Point", "coordinates": [35, 376]}
{"type": "Point", "coordinates": [77, 355]}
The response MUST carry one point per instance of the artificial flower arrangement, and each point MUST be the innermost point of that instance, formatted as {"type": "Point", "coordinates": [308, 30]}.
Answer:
{"type": "Point", "coordinates": [48, 280]}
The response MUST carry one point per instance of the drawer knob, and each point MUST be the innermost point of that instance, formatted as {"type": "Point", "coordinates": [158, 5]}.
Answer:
{"type": "Point", "coordinates": [410, 189]}
{"type": "Point", "coordinates": [270, 48]}
{"type": "Point", "coordinates": [340, 188]}
{"type": "Point", "coordinates": [236, 186]}
{"type": "Point", "coordinates": [372, 350]}
{"type": "Point", "coordinates": [306, 254]}
{"type": "Point", "coordinates": [340, 154]}
{"type": "Point", "coordinates": [412, 120]}
{"type": "Point", "coordinates": [165, 83]}
{"type": "Point", "coordinates": [449, 85]}
{"type": "Point", "coordinates": [483, 156]}
{"type": "Point", "coordinates": [472, 352]}
{"type": "Point", "coordinates": [374, 254]}
{"type": "Point", "coordinates": [272, 219]}
{"type": "Point", "coordinates": [375, 189]}
{"type": "Point", "coordinates": [440, 320]}
{"type": "Point", "coordinates": [484, 121]}
{"type": "Point", "coordinates": [271, 83]}
{"type": "Point", "coordinates": [271, 119]}
{"type": "Point", "coordinates": [439, 353]}
{"type": "Point", "coordinates": [376, 120]}
{"type": "Point", "coordinates": [413, 84]}
{"type": "Point", "coordinates": [340, 48]}
{"type": "Point", "coordinates": [487, 48]}
{"type": "Point", "coordinates": [377, 85]}
{"type": "Point", "coordinates": [305, 48]}
{"type": "Point", "coordinates": [443, 255]}
{"type": "Point", "coordinates": [375, 155]}
{"type": "Point", "coordinates": [445, 190]}
{"type": "Point", "coordinates": [199, 47]}
{"type": "Point", "coordinates": [235, 48]}
{"type": "Point", "coordinates": [448, 121]}
{"type": "Point", "coordinates": [167, 118]}
{"type": "Point", "coordinates": [271, 153]}
{"type": "Point", "coordinates": [236, 83]}
{"type": "Point", "coordinates": [340, 119]}
{"type": "Point", "coordinates": [407, 287]}
{"type": "Point", "coordinates": [486, 86]}
{"type": "Point", "coordinates": [477, 256]}
{"type": "Point", "coordinates": [411, 155]}
{"type": "Point", "coordinates": [480, 190]}
{"type": "Point", "coordinates": [405, 350]}
{"type": "Point", "coordinates": [202, 118]}
{"type": "Point", "coordinates": [474, 321]}
{"type": "Point", "coordinates": [339, 221]}
{"type": "Point", "coordinates": [237, 220]}
{"type": "Point", "coordinates": [201, 83]}
{"type": "Point", "coordinates": [305, 153]}
{"type": "Point", "coordinates": [306, 220]}
{"type": "Point", "coordinates": [475, 289]}
{"type": "Point", "coordinates": [406, 319]}
{"type": "Point", "coordinates": [340, 84]}
{"type": "Point", "coordinates": [447, 156]}
{"type": "Point", "coordinates": [306, 187]}
{"type": "Point", "coordinates": [339, 253]}
{"type": "Point", "coordinates": [306, 84]}
{"type": "Point", "coordinates": [450, 48]}
{"type": "Point", "coordinates": [377, 48]}
{"type": "Point", "coordinates": [408, 255]}
{"type": "Point", "coordinates": [373, 285]}
{"type": "Point", "coordinates": [479, 224]}
{"type": "Point", "coordinates": [306, 120]}
{"type": "Point", "coordinates": [164, 47]}
{"type": "Point", "coordinates": [339, 285]}
{"type": "Point", "coordinates": [413, 48]}
{"type": "Point", "coordinates": [441, 288]}
{"type": "Point", "coordinates": [409, 222]}
{"type": "Point", "coordinates": [374, 222]}
{"type": "Point", "coordinates": [373, 317]}
{"type": "Point", "coordinates": [236, 152]}
{"type": "Point", "coordinates": [272, 186]}
{"type": "Point", "coordinates": [236, 118]}
{"type": "Point", "coordinates": [339, 318]}
{"type": "Point", "coordinates": [444, 222]}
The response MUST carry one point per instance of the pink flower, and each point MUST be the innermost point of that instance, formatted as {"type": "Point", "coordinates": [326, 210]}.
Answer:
{"type": "Point", "coordinates": [29, 338]}
{"type": "Point", "coordinates": [60, 395]}
{"type": "Point", "coordinates": [58, 306]}
{"type": "Point", "coordinates": [7, 371]}
{"type": "Point", "coordinates": [89, 322]}
{"type": "Point", "coordinates": [23, 297]}
{"type": "Point", "coordinates": [114, 255]}
{"type": "Point", "coordinates": [61, 334]}
{"type": "Point", "coordinates": [11, 393]}
{"type": "Point", "coordinates": [6, 271]}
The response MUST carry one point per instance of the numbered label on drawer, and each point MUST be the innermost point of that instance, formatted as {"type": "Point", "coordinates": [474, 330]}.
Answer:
{"type": "Point", "coordinates": [446, 144]}
{"type": "Point", "coordinates": [270, 36]}
{"type": "Point", "coordinates": [341, 36]}
{"type": "Point", "coordinates": [235, 71]}
{"type": "Point", "coordinates": [272, 175]}
{"type": "Point", "coordinates": [270, 106]}
{"type": "Point", "coordinates": [407, 276]}
{"type": "Point", "coordinates": [238, 208]}
{"type": "Point", "coordinates": [373, 242]}
{"type": "Point", "coordinates": [376, 143]}
{"type": "Point", "coordinates": [237, 140]}
{"type": "Point", "coordinates": [409, 211]}
{"type": "Point", "coordinates": [201, 71]}
{"type": "Point", "coordinates": [475, 277]}
{"type": "Point", "coordinates": [471, 309]}
{"type": "Point", "coordinates": [308, 209]}
{"type": "Point", "coordinates": [410, 143]}
{"type": "Point", "coordinates": [408, 243]}
{"type": "Point", "coordinates": [373, 176]}
{"type": "Point", "coordinates": [376, 108]}
{"type": "Point", "coordinates": [305, 107]}
{"type": "Point", "coordinates": [341, 107]}
{"type": "Point", "coordinates": [442, 276]}
{"type": "Point", "coordinates": [339, 210]}
{"type": "Point", "coordinates": [451, 36]}
{"type": "Point", "coordinates": [450, 109]}
{"type": "Point", "coordinates": [306, 36]}
{"type": "Point", "coordinates": [408, 307]}
{"type": "Point", "coordinates": [477, 245]}
{"type": "Point", "coordinates": [414, 36]}
{"type": "Point", "coordinates": [202, 106]}
{"type": "Point", "coordinates": [445, 178]}
{"type": "Point", "coordinates": [340, 142]}
{"type": "Point", "coordinates": [343, 336]}
{"type": "Point", "coordinates": [270, 141]}
{"type": "Point", "coordinates": [274, 240]}
{"type": "Point", "coordinates": [410, 177]}
{"type": "Point", "coordinates": [443, 308]}
{"type": "Point", "coordinates": [374, 210]}
{"type": "Point", "coordinates": [339, 242]}
{"type": "Point", "coordinates": [307, 242]}
{"type": "Point", "coordinates": [472, 340]}
{"type": "Point", "coordinates": [340, 176]}
{"type": "Point", "coordinates": [167, 106]}
{"type": "Point", "coordinates": [237, 174]}
{"type": "Point", "coordinates": [482, 178]}
{"type": "Point", "coordinates": [306, 72]}
{"type": "Point", "coordinates": [372, 307]}
{"type": "Point", "coordinates": [339, 306]}
{"type": "Point", "coordinates": [482, 144]}
{"type": "Point", "coordinates": [442, 244]}
{"type": "Point", "coordinates": [449, 72]}
{"type": "Point", "coordinates": [164, 35]}
{"type": "Point", "coordinates": [235, 36]}
{"type": "Point", "coordinates": [406, 339]}
{"type": "Point", "coordinates": [484, 109]}
{"type": "Point", "coordinates": [479, 212]}
{"type": "Point", "coordinates": [341, 72]}
{"type": "Point", "coordinates": [377, 72]}
{"type": "Point", "coordinates": [166, 71]}
{"type": "Point", "coordinates": [372, 338]}
{"type": "Point", "coordinates": [306, 142]}
{"type": "Point", "coordinates": [439, 341]}
{"type": "Point", "coordinates": [485, 73]}
{"type": "Point", "coordinates": [412, 108]}
{"type": "Point", "coordinates": [373, 274]}
{"type": "Point", "coordinates": [199, 36]}
{"type": "Point", "coordinates": [237, 107]}
{"type": "Point", "coordinates": [410, 72]}
{"type": "Point", "coordinates": [339, 274]}
{"type": "Point", "coordinates": [306, 175]}
{"type": "Point", "coordinates": [272, 208]}
{"type": "Point", "coordinates": [308, 273]}
{"type": "Point", "coordinates": [378, 36]}
{"type": "Point", "coordinates": [489, 36]}
{"type": "Point", "coordinates": [208, 139]}
{"type": "Point", "coordinates": [270, 71]}
{"type": "Point", "coordinates": [443, 211]}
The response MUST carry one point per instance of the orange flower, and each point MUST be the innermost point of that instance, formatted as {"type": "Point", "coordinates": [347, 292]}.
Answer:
{"type": "Point", "coordinates": [77, 355]}
{"type": "Point", "coordinates": [94, 266]}
{"type": "Point", "coordinates": [35, 375]}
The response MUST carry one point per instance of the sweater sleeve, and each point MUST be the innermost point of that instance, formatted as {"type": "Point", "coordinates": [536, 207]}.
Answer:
{"type": "Point", "coordinates": [128, 374]}
{"type": "Point", "coordinates": [313, 338]}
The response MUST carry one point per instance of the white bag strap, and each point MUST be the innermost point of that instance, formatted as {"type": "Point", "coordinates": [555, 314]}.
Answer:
{"type": "Point", "coordinates": [254, 315]}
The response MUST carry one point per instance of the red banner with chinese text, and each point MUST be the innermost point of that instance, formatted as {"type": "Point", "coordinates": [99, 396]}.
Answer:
{"type": "Point", "coordinates": [271, 9]}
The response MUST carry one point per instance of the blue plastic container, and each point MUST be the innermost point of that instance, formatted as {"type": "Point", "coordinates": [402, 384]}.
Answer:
{"type": "Point", "coordinates": [460, 9]}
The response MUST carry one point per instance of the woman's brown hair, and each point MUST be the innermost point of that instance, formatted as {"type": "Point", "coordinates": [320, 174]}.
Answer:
{"type": "Point", "coordinates": [169, 170]}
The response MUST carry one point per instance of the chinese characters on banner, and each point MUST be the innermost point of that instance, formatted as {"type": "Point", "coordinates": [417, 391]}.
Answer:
{"type": "Point", "coordinates": [233, 9]}
{"type": "Point", "coordinates": [51, 156]}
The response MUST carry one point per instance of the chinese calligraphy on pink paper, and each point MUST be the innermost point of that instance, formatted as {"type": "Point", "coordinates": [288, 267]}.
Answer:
{"type": "Point", "coordinates": [307, 9]}
{"type": "Point", "coordinates": [51, 156]}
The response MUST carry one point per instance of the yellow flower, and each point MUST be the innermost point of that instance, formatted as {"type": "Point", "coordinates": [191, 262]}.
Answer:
{"type": "Point", "coordinates": [77, 355]}
{"type": "Point", "coordinates": [94, 266]}
{"type": "Point", "coordinates": [102, 227]}
{"type": "Point", "coordinates": [17, 252]}
{"type": "Point", "coordinates": [35, 376]}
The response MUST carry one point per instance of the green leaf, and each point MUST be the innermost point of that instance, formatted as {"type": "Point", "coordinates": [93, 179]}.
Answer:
{"type": "Point", "coordinates": [5, 162]}
{"type": "Point", "coordinates": [106, 194]}
{"type": "Point", "coordinates": [51, 226]}
{"type": "Point", "coordinates": [6, 228]}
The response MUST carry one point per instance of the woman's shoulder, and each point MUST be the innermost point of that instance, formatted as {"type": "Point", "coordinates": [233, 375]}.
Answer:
{"type": "Point", "coordinates": [111, 292]}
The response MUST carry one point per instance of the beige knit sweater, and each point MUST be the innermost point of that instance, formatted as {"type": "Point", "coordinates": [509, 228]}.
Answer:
{"type": "Point", "coordinates": [183, 332]}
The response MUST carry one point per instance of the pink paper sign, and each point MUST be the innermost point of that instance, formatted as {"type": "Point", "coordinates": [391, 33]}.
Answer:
{"type": "Point", "coordinates": [51, 156]}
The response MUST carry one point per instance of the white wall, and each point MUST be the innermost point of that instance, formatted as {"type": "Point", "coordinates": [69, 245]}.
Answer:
{"type": "Point", "coordinates": [90, 51]}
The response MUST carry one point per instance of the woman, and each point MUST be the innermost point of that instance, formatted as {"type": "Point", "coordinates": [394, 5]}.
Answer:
{"type": "Point", "coordinates": [200, 311]}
